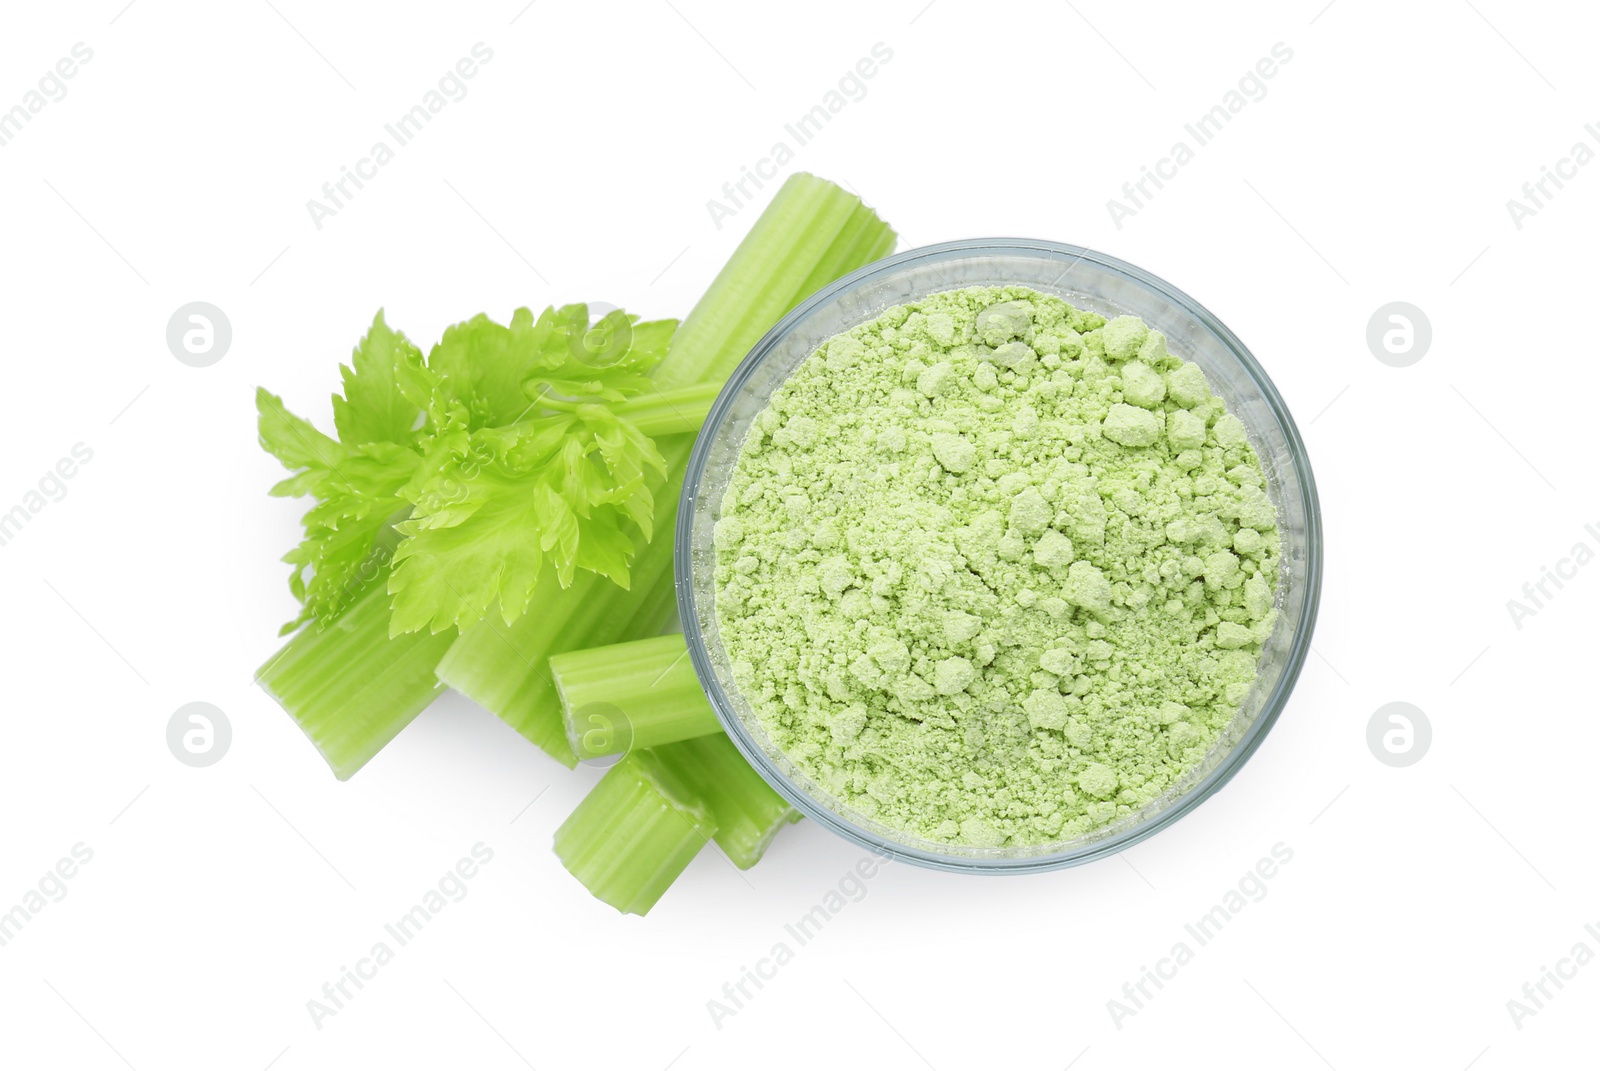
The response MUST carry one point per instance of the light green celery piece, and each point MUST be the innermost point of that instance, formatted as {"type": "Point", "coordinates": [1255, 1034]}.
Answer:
{"type": "Point", "coordinates": [812, 233]}
{"type": "Point", "coordinates": [747, 811]}
{"type": "Point", "coordinates": [349, 686]}
{"type": "Point", "coordinates": [634, 833]}
{"type": "Point", "coordinates": [630, 695]}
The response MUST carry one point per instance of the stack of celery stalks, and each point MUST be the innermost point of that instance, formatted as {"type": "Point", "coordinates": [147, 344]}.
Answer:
{"type": "Point", "coordinates": [498, 518]}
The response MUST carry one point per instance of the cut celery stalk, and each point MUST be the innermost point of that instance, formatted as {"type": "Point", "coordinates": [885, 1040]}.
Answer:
{"type": "Point", "coordinates": [746, 810]}
{"type": "Point", "coordinates": [349, 685]}
{"type": "Point", "coordinates": [627, 696]}
{"type": "Point", "coordinates": [812, 233]}
{"type": "Point", "coordinates": [634, 833]}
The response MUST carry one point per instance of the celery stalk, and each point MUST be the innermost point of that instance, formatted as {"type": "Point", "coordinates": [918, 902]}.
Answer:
{"type": "Point", "coordinates": [746, 810]}
{"type": "Point", "coordinates": [349, 686]}
{"type": "Point", "coordinates": [670, 412]}
{"type": "Point", "coordinates": [634, 833]}
{"type": "Point", "coordinates": [633, 695]}
{"type": "Point", "coordinates": [812, 233]}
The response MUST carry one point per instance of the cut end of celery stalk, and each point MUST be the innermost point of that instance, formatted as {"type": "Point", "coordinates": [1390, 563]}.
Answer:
{"type": "Point", "coordinates": [747, 811]}
{"type": "Point", "coordinates": [349, 686]}
{"type": "Point", "coordinates": [629, 696]}
{"type": "Point", "coordinates": [634, 833]}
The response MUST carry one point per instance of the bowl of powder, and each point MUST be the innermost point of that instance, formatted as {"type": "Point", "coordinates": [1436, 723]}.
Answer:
{"type": "Point", "coordinates": [998, 555]}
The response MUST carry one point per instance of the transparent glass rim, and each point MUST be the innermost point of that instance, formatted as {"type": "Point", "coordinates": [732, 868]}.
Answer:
{"type": "Point", "coordinates": [1204, 789]}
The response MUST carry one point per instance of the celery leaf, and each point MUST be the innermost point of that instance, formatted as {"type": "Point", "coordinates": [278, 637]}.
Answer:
{"type": "Point", "coordinates": [494, 461]}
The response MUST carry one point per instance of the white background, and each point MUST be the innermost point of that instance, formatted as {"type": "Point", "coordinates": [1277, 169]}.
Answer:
{"type": "Point", "coordinates": [219, 900]}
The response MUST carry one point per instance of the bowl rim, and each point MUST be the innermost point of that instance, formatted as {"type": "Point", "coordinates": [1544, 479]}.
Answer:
{"type": "Point", "coordinates": [1230, 764]}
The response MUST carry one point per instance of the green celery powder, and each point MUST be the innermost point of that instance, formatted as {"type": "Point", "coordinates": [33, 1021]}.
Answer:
{"type": "Point", "coordinates": [995, 571]}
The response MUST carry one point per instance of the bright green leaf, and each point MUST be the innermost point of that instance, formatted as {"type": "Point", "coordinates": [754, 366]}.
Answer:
{"type": "Point", "coordinates": [385, 374]}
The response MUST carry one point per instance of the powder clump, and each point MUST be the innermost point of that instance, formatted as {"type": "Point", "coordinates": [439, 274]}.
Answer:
{"type": "Point", "coordinates": [995, 571]}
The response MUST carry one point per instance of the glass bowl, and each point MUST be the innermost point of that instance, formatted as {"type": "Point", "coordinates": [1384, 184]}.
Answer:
{"type": "Point", "coordinates": [1090, 281]}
